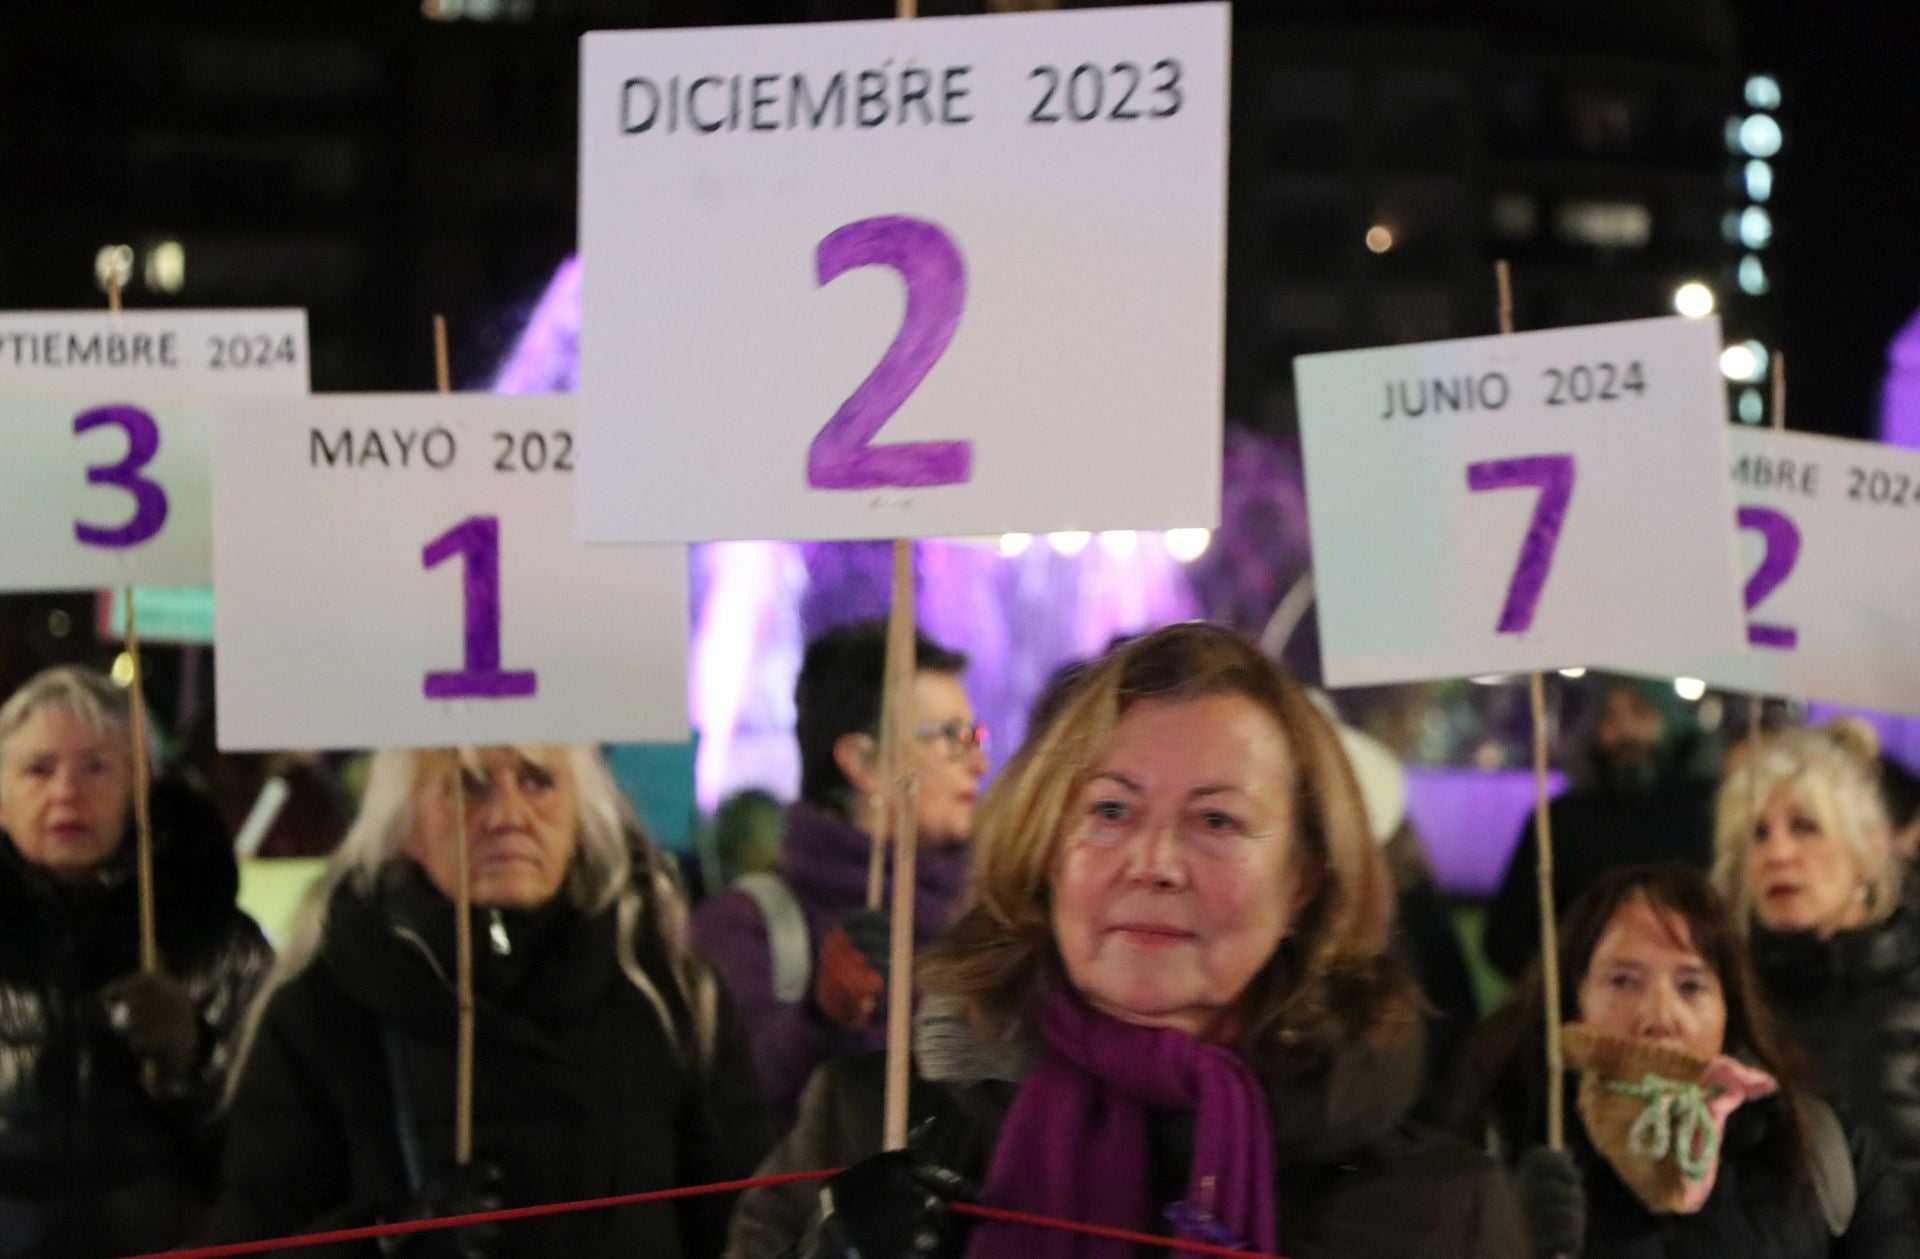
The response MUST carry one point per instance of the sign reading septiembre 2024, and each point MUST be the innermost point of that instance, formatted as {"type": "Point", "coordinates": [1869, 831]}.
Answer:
{"type": "Point", "coordinates": [1512, 503]}
{"type": "Point", "coordinates": [883, 279]}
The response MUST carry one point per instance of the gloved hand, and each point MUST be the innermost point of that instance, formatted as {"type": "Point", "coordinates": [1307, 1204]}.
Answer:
{"type": "Point", "coordinates": [456, 1190]}
{"type": "Point", "coordinates": [851, 972]}
{"type": "Point", "coordinates": [892, 1205]}
{"type": "Point", "coordinates": [157, 1018]}
{"type": "Point", "coordinates": [1553, 1200]}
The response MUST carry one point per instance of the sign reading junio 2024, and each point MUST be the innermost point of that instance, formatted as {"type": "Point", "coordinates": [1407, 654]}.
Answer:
{"type": "Point", "coordinates": [882, 279]}
{"type": "Point", "coordinates": [1523, 502]}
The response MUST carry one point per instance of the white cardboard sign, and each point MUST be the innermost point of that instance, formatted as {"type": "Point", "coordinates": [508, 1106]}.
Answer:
{"type": "Point", "coordinates": [1523, 502]}
{"type": "Point", "coordinates": [882, 279]}
{"type": "Point", "coordinates": [401, 571]}
{"type": "Point", "coordinates": [104, 422]}
{"type": "Point", "coordinates": [1829, 539]}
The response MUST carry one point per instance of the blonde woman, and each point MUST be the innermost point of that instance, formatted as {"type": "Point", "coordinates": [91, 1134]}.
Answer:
{"type": "Point", "coordinates": [607, 1060]}
{"type": "Point", "coordinates": [1804, 855]}
{"type": "Point", "coordinates": [1171, 1007]}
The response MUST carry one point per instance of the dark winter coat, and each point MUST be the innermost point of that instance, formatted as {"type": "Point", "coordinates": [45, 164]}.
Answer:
{"type": "Point", "coordinates": [1355, 1181]}
{"type": "Point", "coordinates": [581, 1088]}
{"type": "Point", "coordinates": [93, 1161]}
{"type": "Point", "coordinates": [1853, 1001]}
{"type": "Point", "coordinates": [1757, 1210]}
{"type": "Point", "coordinates": [823, 862]}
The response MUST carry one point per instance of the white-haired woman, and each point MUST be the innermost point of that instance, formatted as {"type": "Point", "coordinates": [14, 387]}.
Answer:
{"type": "Point", "coordinates": [110, 1079]}
{"type": "Point", "coordinates": [607, 1061]}
{"type": "Point", "coordinates": [1804, 855]}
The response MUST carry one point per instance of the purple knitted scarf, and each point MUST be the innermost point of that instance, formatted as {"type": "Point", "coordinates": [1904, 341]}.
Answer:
{"type": "Point", "coordinates": [1074, 1146]}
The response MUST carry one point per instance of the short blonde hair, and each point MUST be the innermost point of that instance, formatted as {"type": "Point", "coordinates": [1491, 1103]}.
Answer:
{"type": "Point", "coordinates": [1332, 976]}
{"type": "Point", "coordinates": [87, 693]}
{"type": "Point", "coordinates": [1833, 771]}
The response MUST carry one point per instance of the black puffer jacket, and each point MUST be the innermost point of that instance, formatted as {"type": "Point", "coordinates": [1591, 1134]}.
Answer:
{"type": "Point", "coordinates": [91, 1162]}
{"type": "Point", "coordinates": [1355, 1180]}
{"type": "Point", "coordinates": [1854, 1002]}
{"type": "Point", "coordinates": [581, 1090]}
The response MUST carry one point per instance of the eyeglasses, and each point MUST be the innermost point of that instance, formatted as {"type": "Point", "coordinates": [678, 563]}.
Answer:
{"type": "Point", "coordinates": [961, 737]}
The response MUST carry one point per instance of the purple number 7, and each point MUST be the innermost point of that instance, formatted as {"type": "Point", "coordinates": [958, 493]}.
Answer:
{"type": "Point", "coordinates": [1553, 476]}
{"type": "Point", "coordinates": [842, 456]}
{"type": "Point", "coordinates": [477, 541]}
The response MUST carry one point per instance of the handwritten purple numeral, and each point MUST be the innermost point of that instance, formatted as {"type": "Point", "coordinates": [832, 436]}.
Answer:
{"type": "Point", "coordinates": [149, 500]}
{"type": "Point", "coordinates": [476, 540]}
{"type": "Point", "coordinates": [1553, 476]}
{"type": "Point", "coordinates": [842, 456]}
{"type": "Point", "coordinates": [1782, 539]}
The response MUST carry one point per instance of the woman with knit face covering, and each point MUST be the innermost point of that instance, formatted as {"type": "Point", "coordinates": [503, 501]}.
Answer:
{"type": "Point", "coordinates": [1170, 1008]}
{"type": "Point", "coordinates": [1692, 1134]}
{"type": "Point", "coordinates": [1804, 855]}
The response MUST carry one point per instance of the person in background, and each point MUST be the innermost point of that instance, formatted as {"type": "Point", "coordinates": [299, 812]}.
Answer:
{"type": "Point", "coordinates": [1171, 1008]}
{"type": "Point", "coordinates": [110, 1077]}
{"type": "Point", "coordinates": [1650, 958]}
{"type": "Point", "coordinates": [607, 1059]}
{"type": "Point", "coordinates": [746, 833]}
{"type": "Point", "coordinates": [1636, 795]}
{"type": "Point", "coordinates": [804, 956]}
{"type": "Point", "coordinates": [1805, 858]}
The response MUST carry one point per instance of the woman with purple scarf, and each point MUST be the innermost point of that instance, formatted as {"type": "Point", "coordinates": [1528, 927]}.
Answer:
{"type": "Point", "coordinates": [1170, 1009]}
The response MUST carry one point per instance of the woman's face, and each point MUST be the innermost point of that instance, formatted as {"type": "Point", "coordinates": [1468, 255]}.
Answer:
{"type": "Point", "coordinates": [65, 789]}
{"type": "Point", "coordinates": [1647, 982]}
{"type": "Point", "coordinates": [1177, 877]}
{"type": "Point", "coordinates": [1800, 877]}
{"type": "Point", "coordinates": [523, 826]}
{"type": "Point", "coordinates": [947, 759]}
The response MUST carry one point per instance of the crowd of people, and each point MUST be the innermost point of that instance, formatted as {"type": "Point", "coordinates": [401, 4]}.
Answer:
{"type": "Point", "coordinates": [1180, 973]}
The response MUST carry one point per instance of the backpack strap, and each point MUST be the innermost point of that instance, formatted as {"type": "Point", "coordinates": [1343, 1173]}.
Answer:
{"type": "Point", "coordinates": [788, 939]}
{"type": "Point", "coordinates": [1831, 1163]}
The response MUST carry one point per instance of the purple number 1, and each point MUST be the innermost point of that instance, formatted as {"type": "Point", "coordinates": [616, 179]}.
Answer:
{"type": "Point", "coordinates": [477, 541]}
{"type": "Point", "coordinates": [1782, 539]}
{"type": "Point", "coordinates": [1552, 475]}
{"type": "Point", "coordinates": [842, 456]}
{"type": "Point", "coordinates": [149, 500]}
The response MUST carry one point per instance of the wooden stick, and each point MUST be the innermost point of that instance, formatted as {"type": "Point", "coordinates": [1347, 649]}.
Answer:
{"type": "Point", "coordinates": [463, 890]}
{"type": "Point", "coordinates": [1543, 835]}
{"type": "Point", "coordinates": [897, 756]}
{"type": "Point", "coordinates": [142, 812]}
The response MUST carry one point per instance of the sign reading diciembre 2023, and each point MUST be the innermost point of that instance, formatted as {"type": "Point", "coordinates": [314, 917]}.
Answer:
{"type": "Point", "coordinates": [1829, 536]}
{"type": "Point", "coordinates": [1521, 502]}
{"type": "Point", "coordinates": [104, 420]}
{"type": "Point", "coordinates": [883, 279]}
{"type": "Point", "coordinates": [401, 570]}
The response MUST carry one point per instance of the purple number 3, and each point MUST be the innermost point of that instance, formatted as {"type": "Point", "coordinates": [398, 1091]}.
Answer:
{"type": "Point", "coordinates": [149, 500]}
{"type": "Point", "coordinates": [477, 541]}
{"type": "Point", "coordinates": [841, 456]}
{"type": "Point", "coordinates": [1553, 476]}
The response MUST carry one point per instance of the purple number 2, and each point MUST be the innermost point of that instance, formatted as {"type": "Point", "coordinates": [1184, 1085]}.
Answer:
{"type": "Point", "coordinates": [1552, 475]}
{"type": "Point", "coordinates": [1782, 539]}
{"type": "Point", "coordinates": [149, 500]}
{"type": "Point", "coordinates": [842, 456]}
{"type": "Point", "coordinates": [477, 541]}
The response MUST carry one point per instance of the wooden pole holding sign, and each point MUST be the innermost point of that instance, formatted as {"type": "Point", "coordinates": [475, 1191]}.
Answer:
{"type": "Point", "coordinates": [1543, 834]}
{"type": "Point", "coordinates": [142, 811]}
{"type": "Point", "coordinates": [463, 892]}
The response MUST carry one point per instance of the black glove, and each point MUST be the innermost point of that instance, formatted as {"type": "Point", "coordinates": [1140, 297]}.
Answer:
{"type": "Point", "coordinates": [457, 1190]}
{"type": "Point", "coordinates": [157, 1018]}
{"type": "Point", "coordinates": [892, 1206]}
{"type": "Point", "coordinates": [1554, 1201]}
{"type": "Point", "coordinates": [871, 932]}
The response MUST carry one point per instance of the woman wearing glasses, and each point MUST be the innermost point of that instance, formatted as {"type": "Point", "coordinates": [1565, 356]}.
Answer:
{"type": "Point", "coordinates": [804, 957]}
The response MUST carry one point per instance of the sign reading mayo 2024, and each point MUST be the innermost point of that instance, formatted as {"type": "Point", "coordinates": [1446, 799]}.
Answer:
{"type": "Point", "coordinates": [882, 279]}
{"type": "Point", "coordinates": [1522, 502]}
{"type": "Point", "coordinates": [104, 420]}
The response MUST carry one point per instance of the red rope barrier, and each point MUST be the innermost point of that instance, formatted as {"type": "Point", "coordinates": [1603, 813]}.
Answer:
{"type": "Point", "coordinates": [370, 1232]}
